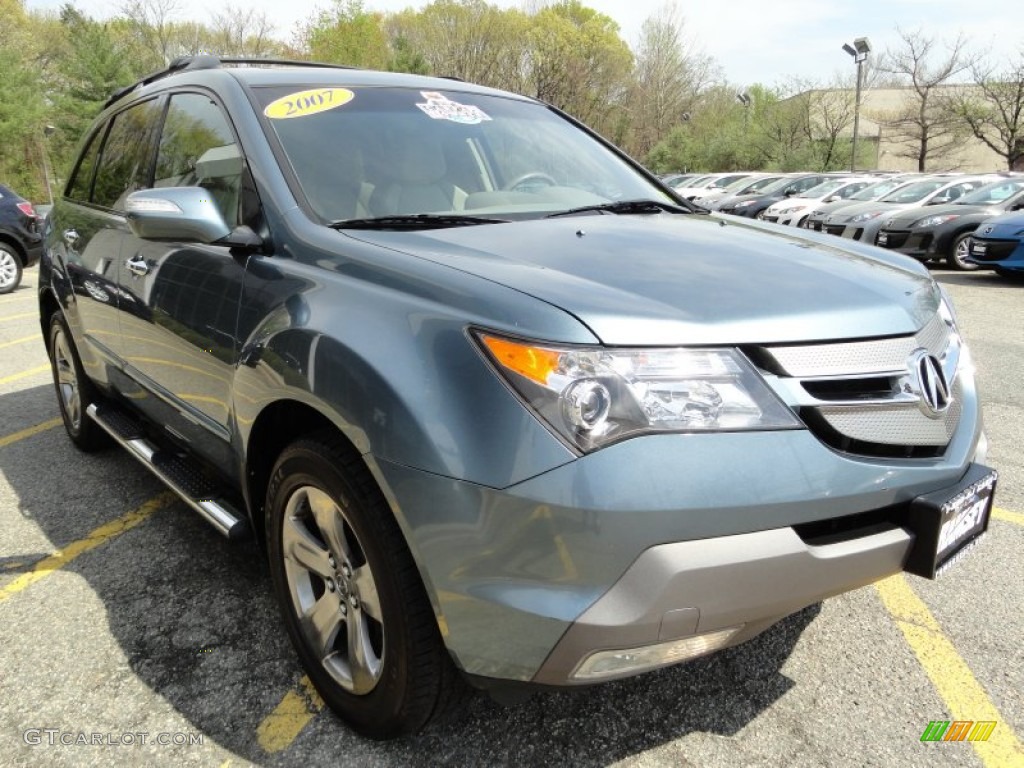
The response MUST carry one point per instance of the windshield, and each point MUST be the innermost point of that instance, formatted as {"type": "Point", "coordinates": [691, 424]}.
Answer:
{"type": "Point", "coordinates": [913, 193]}
{"type": "Point", "coordinates": [371, 152]}
{"type": "Point", "coordinates": [878, 189]}
{"type": "Point", "coordinates": [824, 189]}
{"type": "Point", "coordinates": [993, 193]}
{"type": "Point", "coordinates": [759, 185]}
{"type": "Point", "coordinates": [776, 186]}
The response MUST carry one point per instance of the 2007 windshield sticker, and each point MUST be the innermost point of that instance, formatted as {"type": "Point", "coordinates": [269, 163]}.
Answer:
{"type": "Point", "coordinates": [440, 107]}
{"type": "Point", "coordinates": [305, 103]}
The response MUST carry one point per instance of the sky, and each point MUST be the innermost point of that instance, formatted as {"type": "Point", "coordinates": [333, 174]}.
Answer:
{"type": "Point", "coordinates": [761, 41]}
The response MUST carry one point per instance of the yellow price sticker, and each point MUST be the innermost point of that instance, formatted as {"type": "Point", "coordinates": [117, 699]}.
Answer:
{"type": "Point", "coordinates": [305, 103]}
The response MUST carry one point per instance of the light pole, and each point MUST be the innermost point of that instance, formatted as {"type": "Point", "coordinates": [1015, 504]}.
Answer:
{"type": "Point", "coordinates": [48, 131]}
{"type": "Point", "coordinates": [744, 98]}
{"type": "Point", "coordinates": [859, 50]}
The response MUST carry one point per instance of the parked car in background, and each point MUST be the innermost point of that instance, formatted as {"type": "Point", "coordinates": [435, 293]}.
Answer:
{"type": "Point", "coordinates": [753, 205]}
{"type": "Point", "coordinates": [670, 179]}
{"type": "Point", "coordinates": [942, 232]}
{"type": "Point", "coordinates": [793, 211]}
{"type": "Point", "coordinates": [21, 240]}
{"type": "Point", "coordinates": [864, 220]}
{"type": "Point", "coordinates": [717, 181]}
{"type": "Point", "coordinates": [999, 244]}
{"type": "Point", "coordinates": [816, 219]}
{"type": "Point", "coordinates": [753, 183]}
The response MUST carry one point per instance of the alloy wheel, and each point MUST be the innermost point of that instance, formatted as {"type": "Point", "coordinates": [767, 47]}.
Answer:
{"type": "Point", "coordinates": [332, 590]}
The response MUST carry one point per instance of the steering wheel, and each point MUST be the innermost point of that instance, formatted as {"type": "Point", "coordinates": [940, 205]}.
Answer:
{"type": "Point", "coordinates": [531, 176]}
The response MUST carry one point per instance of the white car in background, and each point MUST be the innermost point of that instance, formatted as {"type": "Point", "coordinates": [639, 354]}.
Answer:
{"type": "Point", "coordinates": [794, 210]}
{"type": "Point", "coordinates": [712, 182]}
{"type": "Point", "coordinates": [755, 182]}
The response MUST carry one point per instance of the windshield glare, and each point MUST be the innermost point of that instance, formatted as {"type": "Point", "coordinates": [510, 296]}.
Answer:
{"type": "Point", "coordinates": [876, 190]}
{"type": "Point", "coordinates": [992, 193]}
{"type": "Point", "coordinates": [398, 151]}
{"type": "Point", "coordinates": [913, 193]}
{"type": "Point", "coordinates": [825, 188]}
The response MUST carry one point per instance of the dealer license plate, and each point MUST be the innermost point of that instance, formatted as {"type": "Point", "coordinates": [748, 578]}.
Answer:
{"type": "Point", "coordinates": [947, 523]}
{"type": "Point", "coordinates": [883, 239]}
{"type": "Point", "coordinates": [978, 249]}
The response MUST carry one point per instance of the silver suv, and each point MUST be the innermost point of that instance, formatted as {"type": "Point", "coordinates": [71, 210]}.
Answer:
{"type": "Point", "coordinates": [496, 404]}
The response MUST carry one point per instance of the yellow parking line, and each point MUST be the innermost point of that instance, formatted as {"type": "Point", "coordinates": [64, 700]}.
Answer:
{"type": "Point", "coordinates": [17, 436]}
{"type": "Point", "coordinates": [24, 374]}
{"type": "Point", "coordinates": [962, 694]}
{"type": "Point", "coordinates": [104, 533]}
{"type": "Point", "coordinates": [22, 340]}
{"type": "Point", "coordinates": [1007, 516]}
{"type": "Point", "coordinates": [21, 316]}
{"type": "Point", "coordinates": [281, 727]}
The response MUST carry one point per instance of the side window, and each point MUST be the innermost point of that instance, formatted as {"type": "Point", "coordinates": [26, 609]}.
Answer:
{"type": "Point", "coordinates": [198, 149]}
{"type": "Point", "coordinates": [81, 182]}
{"type": "Point", "coordinates": [124, 164]}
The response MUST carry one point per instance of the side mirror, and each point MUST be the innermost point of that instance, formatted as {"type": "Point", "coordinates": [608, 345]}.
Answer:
{"type": "Point", "coordinates": [938, 201]}
{"type": "Point", "coordinates": [188, 214]}
{"type": "Point", "coordinates": [832, 199]}
{"type": "Point", "coordinates": [789, 192]}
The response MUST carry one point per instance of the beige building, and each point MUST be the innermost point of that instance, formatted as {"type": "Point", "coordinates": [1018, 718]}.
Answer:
{"type": "Point", "coordinates": [885, 146]}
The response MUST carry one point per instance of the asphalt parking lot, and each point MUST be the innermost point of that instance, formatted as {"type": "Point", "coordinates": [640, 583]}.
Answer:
{"type": "Point", "coordinates": [130, 631]}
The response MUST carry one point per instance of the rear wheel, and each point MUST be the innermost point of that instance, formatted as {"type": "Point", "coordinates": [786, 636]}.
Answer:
{"type": "Point", "coordinates": [75, 392]}
{"type": "Point", "coordinates": [10, 269]}
{"type": "Point", "coordinates": [352, 599]}
{"type": "Point", "coordinates": [958, 253]}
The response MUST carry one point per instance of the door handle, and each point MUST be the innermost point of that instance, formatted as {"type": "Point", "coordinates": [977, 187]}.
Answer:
{"type": "Point", "coordinates": [70, 238]}
{"type": "Point", "coordinates": [137, 266]}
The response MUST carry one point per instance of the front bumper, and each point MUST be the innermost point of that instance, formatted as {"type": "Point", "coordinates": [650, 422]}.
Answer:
{"type": "Point", "coordinates": [657, 537]}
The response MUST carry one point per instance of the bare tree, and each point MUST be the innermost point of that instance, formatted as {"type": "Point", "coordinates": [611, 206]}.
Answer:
{"type": "Point", "coordinates": [668, 75]}
{"type": "Point", "coordinates": [993, 108]}
{"type": "Point", "coordinates": [927, 127]}
{"type": "Point", "coordinates": [153, 25]}
{"type": "Point", "coordinates": [242, 32]}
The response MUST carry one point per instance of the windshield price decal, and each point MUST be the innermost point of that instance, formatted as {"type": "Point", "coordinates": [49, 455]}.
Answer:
{"type": "Point", "coordinates": [440, 107]}
{"type": "Point", "coordinates": [305, 103]}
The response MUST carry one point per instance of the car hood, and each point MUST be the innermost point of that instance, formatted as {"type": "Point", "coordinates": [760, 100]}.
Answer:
{"type": "Point", "coordinates": [904, 219]}
{"type": "Point", "coordinates": [687, 279]}
{"type": "Point", "coordinates": [824, 209]}
{"type": "Point", "coordinates": [1008, 226]}
{"type": "Point", "coordinates": [848, 212]}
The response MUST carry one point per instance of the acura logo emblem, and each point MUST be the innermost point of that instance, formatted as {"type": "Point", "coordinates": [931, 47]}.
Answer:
{"type": "Point", "coordinates": [930, 382]}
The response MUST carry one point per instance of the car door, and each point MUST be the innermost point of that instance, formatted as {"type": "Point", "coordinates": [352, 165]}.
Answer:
{"type": "Point", "coordinates": [89, 225]}
{"type": "Point", "coordinates": [181, 299]}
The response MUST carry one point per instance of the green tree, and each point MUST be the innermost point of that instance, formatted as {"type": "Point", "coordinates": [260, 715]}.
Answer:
{"type": "Point", "coordinates": [993, 109]}
{"type": "Point", "coordinates": [347, 34]}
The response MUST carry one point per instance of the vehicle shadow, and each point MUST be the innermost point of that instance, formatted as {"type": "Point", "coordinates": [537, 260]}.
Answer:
{"type": "Point", "coordinates": [193, 618]}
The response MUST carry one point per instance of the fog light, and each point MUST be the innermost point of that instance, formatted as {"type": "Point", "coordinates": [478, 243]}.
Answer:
{"type": "Point", "coordinates": [628, 661]}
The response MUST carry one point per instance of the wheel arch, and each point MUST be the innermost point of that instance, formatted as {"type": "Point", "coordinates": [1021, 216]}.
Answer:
{"type": "Point", "coordinates": [19, 249]}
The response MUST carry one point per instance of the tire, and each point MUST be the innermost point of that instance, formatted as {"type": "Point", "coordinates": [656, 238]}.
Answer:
{"type": "Point", "coordinates": [958, 251]}
{"type": "Point", "coordinates": [351, 597]}
{"type": "Point", "coordinates": [10, 269]}
{"type": "Point", "coordinates": [75, 392]}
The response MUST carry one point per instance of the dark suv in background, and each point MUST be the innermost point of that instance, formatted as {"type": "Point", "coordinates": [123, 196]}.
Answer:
{"type": "Point", "coordinates": [21, 241]}
{"type": "Point", "coordinates": [494, 401]}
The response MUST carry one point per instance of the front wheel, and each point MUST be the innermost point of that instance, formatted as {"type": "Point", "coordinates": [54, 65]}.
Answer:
{"type": "Point", "coordinates": [352, 600]}
{"type": "Point", "coordinates": [10, 269]}
{"type": "Point", "coordinates": [75, 392]}
{"type": "Point", "coordinates": [958, 253]}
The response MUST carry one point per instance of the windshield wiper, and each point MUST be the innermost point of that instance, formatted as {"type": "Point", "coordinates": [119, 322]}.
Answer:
{"type": "Point", "coordinates": [627, 207]}
{"type": "Point", "coordinates": [414, 221]}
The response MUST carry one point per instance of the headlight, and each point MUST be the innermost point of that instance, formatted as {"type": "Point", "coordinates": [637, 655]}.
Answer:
{"type": "Point", "coordinates": [865, 216]}
{"type": "Point", "coordinates": [793, 209]}
{"type": "Point", "coordinates": [934, 221]}
{"type": "Point", "coordinates": [593, 396]}
{"type": "Point", "coordinates": [745, 203]}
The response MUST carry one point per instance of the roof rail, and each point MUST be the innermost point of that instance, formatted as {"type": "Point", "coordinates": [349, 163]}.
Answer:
{"type": "Point", "coordinates": [210, 61]}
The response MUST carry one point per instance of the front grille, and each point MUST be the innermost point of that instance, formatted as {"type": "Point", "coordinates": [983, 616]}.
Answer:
{"type": "Point", "coordinates": [995, 250]}
{"type": "Point", "coordinates": [861, 397]}
{"type": "Point", "coordinates": [835, 229]}
{"type": "Point", "coordinates": [892, 239]}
